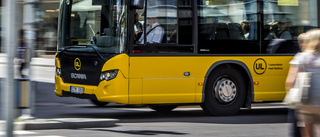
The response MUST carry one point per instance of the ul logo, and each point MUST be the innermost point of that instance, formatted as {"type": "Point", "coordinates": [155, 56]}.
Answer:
{"type": "Point", "coordinates": [260, 66]}
{"type": "Point", "coordinates": [77, 64]}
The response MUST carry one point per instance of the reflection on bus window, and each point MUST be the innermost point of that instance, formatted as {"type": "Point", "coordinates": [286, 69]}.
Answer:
{"type": "Point", "coordinates": [232, 20]}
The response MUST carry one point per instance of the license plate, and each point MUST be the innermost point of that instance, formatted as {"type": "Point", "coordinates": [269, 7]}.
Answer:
{"type": "Point", "coordinates": [76, 90]}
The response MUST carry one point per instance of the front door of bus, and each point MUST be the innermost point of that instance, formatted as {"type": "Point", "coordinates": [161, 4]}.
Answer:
{"type": "Point", "coordinates": [161, 80]}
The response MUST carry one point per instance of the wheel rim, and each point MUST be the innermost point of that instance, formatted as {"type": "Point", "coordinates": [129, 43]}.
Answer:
{"type": "Point", "coordinates": [225, 90]}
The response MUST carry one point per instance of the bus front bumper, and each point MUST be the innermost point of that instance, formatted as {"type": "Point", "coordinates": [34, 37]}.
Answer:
{"type": "Point", "coordinates": [115, 90]}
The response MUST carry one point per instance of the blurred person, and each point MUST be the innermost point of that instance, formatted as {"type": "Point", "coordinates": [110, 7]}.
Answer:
{"type": "Point", "coordinates": [278, 38]}
{"type": "Point", "coordinates": [282, 32]}
{"type": "Point", "coordinates": [292, 114]}
{"type": "Point", "coordinates": [308, 61]}
{"type": "Point", "coordinates": [273, 27]}
{"type": "Point", "coordinates": [21, 53]}
{"type": "Point", "coordinates": [245, 26]}
{"type": "Point", "coordinates": [302, 41]}
{"type": "Point", "coordinates": [137, 27]}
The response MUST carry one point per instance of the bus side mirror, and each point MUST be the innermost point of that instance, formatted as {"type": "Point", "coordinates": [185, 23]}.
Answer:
{"type": "Point", "coordinates": [137, 4]}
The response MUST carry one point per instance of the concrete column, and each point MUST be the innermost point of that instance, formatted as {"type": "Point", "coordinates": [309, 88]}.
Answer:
{"type": "Point", "coordinates": [9, 42]}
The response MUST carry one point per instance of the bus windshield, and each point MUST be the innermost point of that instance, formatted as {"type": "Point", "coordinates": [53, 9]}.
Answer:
{"type": "Point", "coordinates": [93, 23]}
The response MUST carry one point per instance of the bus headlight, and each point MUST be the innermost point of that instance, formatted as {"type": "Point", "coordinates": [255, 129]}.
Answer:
{"type": "Point", "coordinates": [108, 75]}
{"type": "Point", "coordinates": [58, 71]}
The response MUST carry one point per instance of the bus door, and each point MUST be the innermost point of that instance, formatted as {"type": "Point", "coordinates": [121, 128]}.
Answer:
{"type": "Point", "coordinates": [157, 66]}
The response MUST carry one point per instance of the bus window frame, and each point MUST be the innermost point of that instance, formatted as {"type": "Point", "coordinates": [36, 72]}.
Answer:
{"type": "Point", "coordinates": [64, 27]}
{"type": "Point", "coordinates": [195, 40]}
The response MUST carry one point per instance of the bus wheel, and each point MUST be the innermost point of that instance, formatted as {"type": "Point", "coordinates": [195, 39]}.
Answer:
{"type": "Point", "coordinates": [98, 103]}
{"type": "Point", "coordinates": [225, 92]}
{"type": "Point", "coordinates": [162, 108]}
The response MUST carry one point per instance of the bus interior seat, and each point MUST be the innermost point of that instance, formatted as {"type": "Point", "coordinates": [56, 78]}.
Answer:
{"type": "Point", "coordinates": [213, 28]}
{"type": "Point", "coordinates": [222, 31]}
{"type": "Point", "coordinates": [107, 32]}
{"type": "Point", "coordinates": [212, 31]}
{"type": "Point", "coordinates": [266, 31]}
{"type": "Point", "coordinates": [235, 31]}
{"type": "Point", "coordinates": [307, 28]}
{"type": "Point", "coordinates": [106, 39]}
{"type": "Point", "coordinates": [297, 30]}
{"type": "Point", "coordinates": [168, 30]}
{"type": "Point", "coordinates": [164, 37]}
{"type": "Point", "coordinates": [207, 31]}
{"type": "Point", "coordinates": [172, 37]}
{"type": "Point", "coordinates": [288, 47]}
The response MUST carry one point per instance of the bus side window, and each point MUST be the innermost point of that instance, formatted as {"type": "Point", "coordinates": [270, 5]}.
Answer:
{"type": "Point", "coordinates": [174, 21]}
{"type": "Point", "coordinates": [281, 30]}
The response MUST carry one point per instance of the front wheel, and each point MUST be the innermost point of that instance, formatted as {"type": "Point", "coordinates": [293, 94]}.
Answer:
{"type": "Point", "coordinates": [225, 92]}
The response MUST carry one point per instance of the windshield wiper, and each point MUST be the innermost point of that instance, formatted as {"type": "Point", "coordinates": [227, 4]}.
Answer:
{"type": "Point", "coordinates": [96, 51]}
{"type": "Point", "coordinates": [84, 46]}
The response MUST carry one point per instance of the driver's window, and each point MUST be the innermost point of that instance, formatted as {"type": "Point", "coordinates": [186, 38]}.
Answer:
{"type": "Point", "coordinates": [156, 26]}
{"type": "Point", "coordinates": [161, 22]}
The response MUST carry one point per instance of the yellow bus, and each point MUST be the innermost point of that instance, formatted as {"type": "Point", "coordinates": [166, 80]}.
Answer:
{"type": "Point", "coordinates": [221, 54]}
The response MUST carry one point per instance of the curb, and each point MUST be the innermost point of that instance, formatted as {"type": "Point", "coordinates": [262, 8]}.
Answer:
{"type": "Point", "coordinates": [64, 123]}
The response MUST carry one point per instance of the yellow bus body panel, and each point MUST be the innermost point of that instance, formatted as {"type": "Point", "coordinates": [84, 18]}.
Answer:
{"type": "Point", "coordinates": [180, 79]}
{"type": "Point", "coordinates": [162, 79]}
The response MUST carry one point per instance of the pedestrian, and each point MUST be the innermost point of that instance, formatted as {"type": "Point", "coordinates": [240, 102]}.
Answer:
{"type": "Point", "coordinates": [21, 53]}
{"type": "Point", "coordinates": [308, 61]}
{"type": "Point", "coordinates": [292, 113]}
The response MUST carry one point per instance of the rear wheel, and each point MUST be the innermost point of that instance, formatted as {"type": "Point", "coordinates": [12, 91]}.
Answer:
{"type": "Point", "coordinates": [225, 92]}
{"type": "Point", "coordinates": [162, 108]}
{"type": "Point", "coordinates": [98, 103]}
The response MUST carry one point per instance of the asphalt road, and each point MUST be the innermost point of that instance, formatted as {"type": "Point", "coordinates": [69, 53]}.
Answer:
{"type": "Point", "coordinates": [264, 120]}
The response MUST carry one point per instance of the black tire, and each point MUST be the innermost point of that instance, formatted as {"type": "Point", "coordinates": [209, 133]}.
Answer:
{"type": "Point", "coordinates": [162, 108]}
{"type": "Point", "coordinates": [98, 103]}
{"type": "Point", "coordinates": [225, 92]}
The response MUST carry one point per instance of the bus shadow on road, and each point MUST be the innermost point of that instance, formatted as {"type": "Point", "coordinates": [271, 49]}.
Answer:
{"type": "Point", "coordinates": [137, 115]}
{"type": "Point", "coordinates": [142, 132]}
